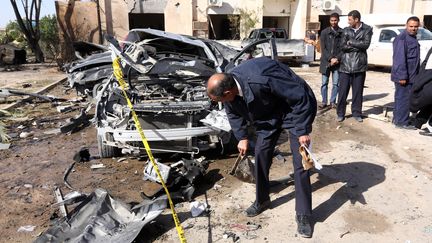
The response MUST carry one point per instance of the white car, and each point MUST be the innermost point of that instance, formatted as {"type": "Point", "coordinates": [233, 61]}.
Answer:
{"type": "Point", "coordinates": [385, 28]}
{"type": "Point", "coordinates": [380, 52]}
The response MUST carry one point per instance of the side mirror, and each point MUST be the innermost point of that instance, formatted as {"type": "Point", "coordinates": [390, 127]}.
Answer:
{"type": "Point", "coordinates": [392, 39]}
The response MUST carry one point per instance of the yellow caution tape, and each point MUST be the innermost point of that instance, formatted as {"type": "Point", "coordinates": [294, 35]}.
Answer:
{"type": "Point", "coordinates": [118, 73]}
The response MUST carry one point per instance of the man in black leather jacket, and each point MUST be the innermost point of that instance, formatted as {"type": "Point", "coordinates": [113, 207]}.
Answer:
{"type": "Point", "coordinates": [356, 39]}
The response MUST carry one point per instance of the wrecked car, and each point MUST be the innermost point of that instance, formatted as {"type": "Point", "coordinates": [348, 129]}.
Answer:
{"type": "Point", "coordinates": [166, 75]}
{"type": "Point", "coordinates": [85, 75]}
{"type": "Point", "coordinates": [94, 64]}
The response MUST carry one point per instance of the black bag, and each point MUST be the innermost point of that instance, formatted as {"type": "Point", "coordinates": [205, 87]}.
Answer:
{"type": "Point", "coordinates": [421, 92]}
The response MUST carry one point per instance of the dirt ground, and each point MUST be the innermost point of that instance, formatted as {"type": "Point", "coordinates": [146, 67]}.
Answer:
{"type": "Point", "coordinates": [375, 184]}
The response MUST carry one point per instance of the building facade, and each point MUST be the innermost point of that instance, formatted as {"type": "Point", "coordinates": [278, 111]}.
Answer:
{"type": "Point", "coordinates": [231, 19]}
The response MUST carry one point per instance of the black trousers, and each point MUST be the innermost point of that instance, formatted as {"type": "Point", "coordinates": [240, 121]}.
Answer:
{"type": "Point", "coordinates": [264, 150]}
{"type": "Point", "coordinates": [423, 116]}
{"type": "Point", "coordinates": [346, 80]}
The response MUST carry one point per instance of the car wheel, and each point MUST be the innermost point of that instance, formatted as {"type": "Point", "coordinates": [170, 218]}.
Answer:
{"type": "Point", "coordinates": [106, 151]}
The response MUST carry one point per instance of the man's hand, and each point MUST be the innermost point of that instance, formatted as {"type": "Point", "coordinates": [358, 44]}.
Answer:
{"type": "Point", "coordinates": [333, 61]}
{"type": "Point", "coordinates": [403, 82]}
{"type": "Point", "coordinates": [243, 146]}
{"type": "Point", "coordinates": [304, 140]}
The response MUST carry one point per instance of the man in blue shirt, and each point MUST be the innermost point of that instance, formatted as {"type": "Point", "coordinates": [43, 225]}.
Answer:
{"type": "Point", "coordinates": [406, 63]}
{"type": "Point", "coordinates": [271, 97]}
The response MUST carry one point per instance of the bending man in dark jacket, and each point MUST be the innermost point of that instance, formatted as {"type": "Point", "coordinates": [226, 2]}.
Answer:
{"type": "Point", "coordinates": [272, 97]}
{"type": "Point", "coordinates": [356, 39]}
{"type": "Point", "coordinates": [330, 40]}
{"type": "Point", "coordinates": [406, 63]}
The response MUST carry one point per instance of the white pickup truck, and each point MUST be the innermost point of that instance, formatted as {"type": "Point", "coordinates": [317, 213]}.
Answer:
{"type": "Point", "coordinates": [287, 49]}
{"type": "Point", "coordinates": [385, 28]}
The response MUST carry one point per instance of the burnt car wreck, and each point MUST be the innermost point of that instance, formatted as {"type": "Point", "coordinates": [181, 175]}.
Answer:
{"type": "Point", "coordinates": [166, 75]}
{"type": "Point", "coordinates": [94, 65]}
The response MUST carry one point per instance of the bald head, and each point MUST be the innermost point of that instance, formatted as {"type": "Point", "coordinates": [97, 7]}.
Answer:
{"type": "Point", "coordinates": [221, 85]}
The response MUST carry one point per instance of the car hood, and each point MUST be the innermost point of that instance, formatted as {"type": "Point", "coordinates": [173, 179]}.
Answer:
{"type": "Point", "coordinates": [145, 58]}
{"type": "Point", "coordinates": [98, 59]}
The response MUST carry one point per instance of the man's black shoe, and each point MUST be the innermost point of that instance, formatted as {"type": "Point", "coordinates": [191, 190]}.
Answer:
{"type": "Point", "coordinates": [304, 227]}
{"type": "Point", "coordinates": [358, 118]}
{"type": "Point", "coordinates": [406, 127]}
{"type": "Point", "coordinates": [257, 208]}
{"type": "Point", "coordinates": [322, 106]}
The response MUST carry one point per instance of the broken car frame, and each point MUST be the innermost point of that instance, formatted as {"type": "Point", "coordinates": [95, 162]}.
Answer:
{"type": "Point", "coordinates": [166, 74]}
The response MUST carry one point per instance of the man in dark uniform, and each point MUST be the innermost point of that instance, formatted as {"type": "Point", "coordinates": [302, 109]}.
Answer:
{"type": "Point", "coordinates": [271, 97]}
{"type": "Point", "coordinates": [406, 64]}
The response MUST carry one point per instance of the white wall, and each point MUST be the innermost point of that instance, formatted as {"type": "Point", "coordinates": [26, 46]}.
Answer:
{"type": "Point", "coordinates": [298, 19]}
{"type": "Point", "coordinates": [280, 8]}
{"type": "Point", "coordinates": [178, 16]}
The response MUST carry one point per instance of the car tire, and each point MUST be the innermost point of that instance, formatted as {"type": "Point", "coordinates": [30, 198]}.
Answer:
{"type": "Point", "coordinates": [106, 151]}
{"type": "Point", "coordinates": [96, 88]}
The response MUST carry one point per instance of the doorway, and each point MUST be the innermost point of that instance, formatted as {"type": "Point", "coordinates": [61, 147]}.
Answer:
{"type": "Point", "coordinates": [427, 21]}
{"type": "Point", "coordinates": [146, 20]}
{"type": "Point", "coordinates": [224, 27]}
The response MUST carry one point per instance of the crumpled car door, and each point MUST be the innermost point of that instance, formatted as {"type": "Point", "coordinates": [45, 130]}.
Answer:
{"type": "Point", "coordinates": [264, 47]}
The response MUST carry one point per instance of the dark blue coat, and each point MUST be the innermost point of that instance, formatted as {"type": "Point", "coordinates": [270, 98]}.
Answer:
{"type": "Point", "coordinates": [406, 57]}
{"type": "Point", "coordinates": [273, 97]}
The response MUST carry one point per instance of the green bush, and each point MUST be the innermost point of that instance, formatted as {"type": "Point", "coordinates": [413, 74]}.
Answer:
{"type": "Point", "coordinates": [13, 34]}
{"type": "Point", "coordinates": [49, 37]}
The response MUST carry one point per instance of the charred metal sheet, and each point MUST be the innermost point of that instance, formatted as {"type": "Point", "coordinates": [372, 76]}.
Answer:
{"type": "Point", "coordinates": [4, 92]}
{"type": "Point", "coordinates": [76, 123]}
{"type": "Point", "coordinates": [100, 218]}
{"type": "Point", "coordinates": [91, 74]}
{"type": "Point", "coordinates": [182, 177]}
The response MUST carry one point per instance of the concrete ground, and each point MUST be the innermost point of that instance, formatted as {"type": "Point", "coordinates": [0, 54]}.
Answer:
{"type": "Point", "coordinates": [375, 184]}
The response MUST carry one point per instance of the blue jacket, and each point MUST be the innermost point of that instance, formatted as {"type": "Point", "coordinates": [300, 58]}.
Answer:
{"type": "Point", "coordinates": [406, 57]}
{"type": "Point", "coordinates": [273, 97]}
